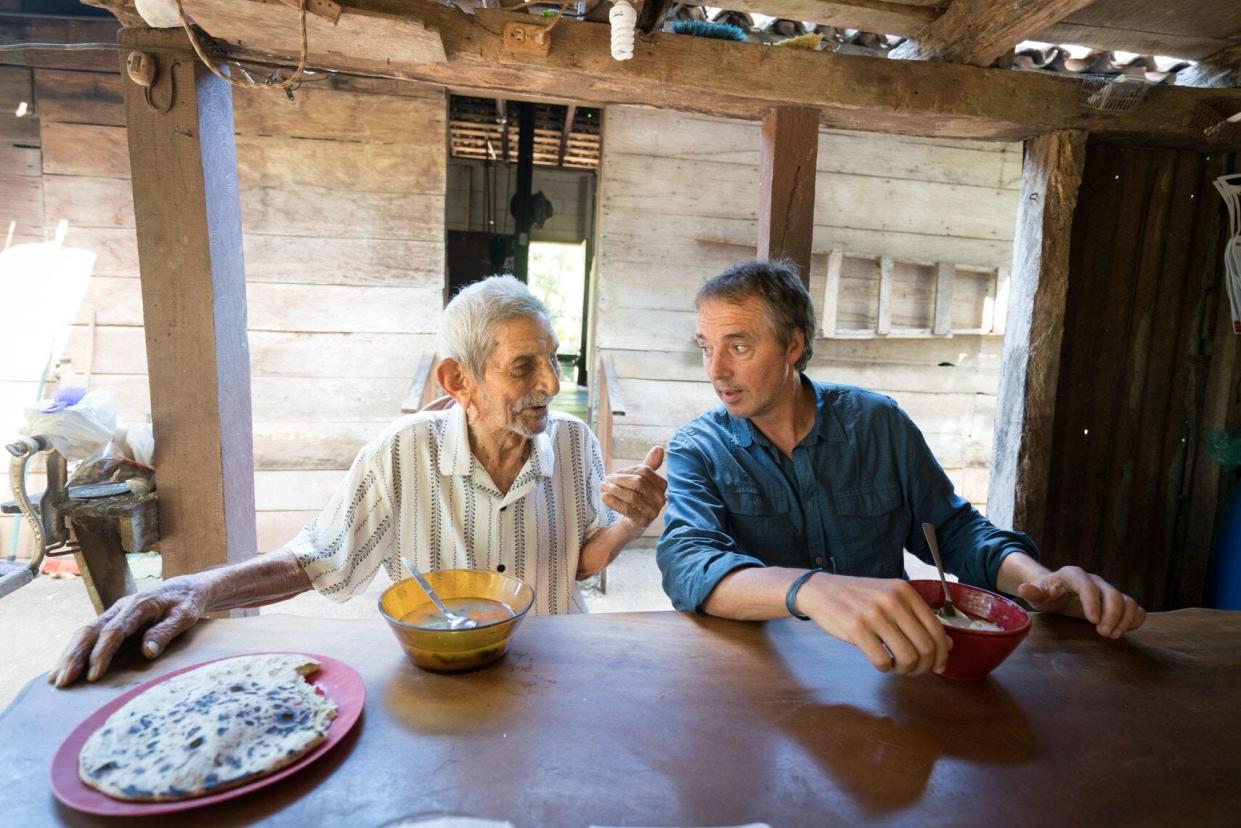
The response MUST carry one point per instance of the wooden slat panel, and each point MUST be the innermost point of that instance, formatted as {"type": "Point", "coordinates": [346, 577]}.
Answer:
{"type": "Point", "coordinates": [16, 88]}
{"type": "Point", "coordinates": [312, 211]}
{"type": "Point", "coordinates": [860, 202]}
{"type": "Point", "coordinates": [292, 445]}
{"type": "Point", "coordinates": [283, 399]}
{"type": "Point", "coordinates": [677, 135]}
{"type": "Point", "coordinates": [85, 149]}
{"type": "Point", "coordinates": [290, 163]}
{"type": "Point", "coordinates": [944, 280]}
{"type": "Point", "coordinates": [280, 307]}
{"type": "Point", "coordinates": [61, 30]}
{"type": "Point", "coordinates": [21, 201]}
{"type": "Point", "coordinates": [883, 325]}
{"type": "Point", "coordinates": [653, 238]}
{"type": "Point", "coordinates": [344, 116]}
{"type": "Point", "coordinates": [122, 350]}
{"type": "Point", "coordinates": [26, 161]}
{"type": "Point", "coordinates": [80, 97]}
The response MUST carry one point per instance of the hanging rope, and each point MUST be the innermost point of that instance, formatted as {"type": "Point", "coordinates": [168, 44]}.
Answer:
{"type": "Point", "coordinates": [291, 82]}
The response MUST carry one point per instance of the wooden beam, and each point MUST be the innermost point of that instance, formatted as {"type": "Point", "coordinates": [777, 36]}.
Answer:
{"type": "Point", "coordinates": [979, 31]}
{"type": "Point", "coordinates": [883, 317]}
{"type": "Point", "coordinates": [831, 292]}
{"type": "Point", "coordinates": [1025, 408]}
{"type": "Point", "coordinates": [569, 113]}
{"type": "Point", "coordinates": [790, 147]}
{"type": "Point", "coordinates": [945, 279]}
{"type": "Point", "coordinates": [188, 219]}
{"type": "Point", "coordinates": [715, 77]}
{"type": "Point", "coordinates": [650, 15]}
{"type": "Point", "coordinates": [867, 15]}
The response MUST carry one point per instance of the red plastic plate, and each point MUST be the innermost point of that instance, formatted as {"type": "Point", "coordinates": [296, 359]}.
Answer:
{"type": "Point", "coordinates": [337, 680]}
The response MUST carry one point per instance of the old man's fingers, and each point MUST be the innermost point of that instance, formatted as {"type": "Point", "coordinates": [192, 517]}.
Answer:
{"type": "Point", "coordinates": [637, 492]}
{"type": "Point", "coordinates": [173, 608]}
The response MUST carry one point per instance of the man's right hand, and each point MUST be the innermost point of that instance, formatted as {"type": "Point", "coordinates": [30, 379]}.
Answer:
{"type": "Point", "coordinates": [172, 608]}
{"type": "Point", "coordinates": [885, 619]}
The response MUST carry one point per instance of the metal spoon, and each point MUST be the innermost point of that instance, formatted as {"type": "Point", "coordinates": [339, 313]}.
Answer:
{"type": "Point", "coordinates": [455, 622]}
{"type": "Point", "coordinates": [947, 610]}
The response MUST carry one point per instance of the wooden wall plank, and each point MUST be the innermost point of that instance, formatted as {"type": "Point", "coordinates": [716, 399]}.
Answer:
{"type": "Point", "coordinates": [80, 97]}
{"type": "Point", "coordinates": [859, 202]}
{"type": "Point", "coordinates": [18, 160]}
{"type": "Point", "coordinates": [283, 399]}
{"type": "Point", "coordinates": [16, 88]}
{"type": "Point", "coordinates": [21, 203]}
{"type": "Point", "coordinates": [418, 120]}
{"type": "Point", "coordinates": [85, 149]}
{"type": "Point", "coordinates": [289, 307]}
{"type": "Point", "coordinates": [122, 350]}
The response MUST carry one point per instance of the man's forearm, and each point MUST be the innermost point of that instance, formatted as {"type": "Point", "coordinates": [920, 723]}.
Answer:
{"type": "Point", "coordinates": [1015, 570]}
{"type": "Point", "coordinates": [262, 580]}
{"type": "Point", "coordinates": [752, 594]}
{"type": "Point", "coordinates": [605, 545]}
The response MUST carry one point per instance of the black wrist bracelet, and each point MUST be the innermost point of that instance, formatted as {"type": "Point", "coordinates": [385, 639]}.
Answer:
{"type": "Point", "coordinates": [791, 596]}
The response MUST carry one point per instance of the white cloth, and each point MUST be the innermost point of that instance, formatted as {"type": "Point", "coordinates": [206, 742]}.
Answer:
{"type": "Point", "coordinates": [417, 490]}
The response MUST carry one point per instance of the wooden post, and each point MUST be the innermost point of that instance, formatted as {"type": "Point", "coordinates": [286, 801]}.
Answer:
{"type": "Point", "coordinates": [786, 185]}
{"type": "Point", "coordinates": [1025, 409]}
{"type": "Point", "coordinates": [188, 219]}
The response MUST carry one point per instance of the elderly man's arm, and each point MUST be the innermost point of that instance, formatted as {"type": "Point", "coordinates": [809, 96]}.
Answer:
{"type": "Point", "coordinates": [173, 607]}
{"type": "Point", "coordinates": [637, 493]}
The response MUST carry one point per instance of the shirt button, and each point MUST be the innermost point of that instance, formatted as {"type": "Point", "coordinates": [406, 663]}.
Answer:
{"type": "Point", "coordinates": [500, 568]}
{"type": "Point", "coordinates": [818, 561]}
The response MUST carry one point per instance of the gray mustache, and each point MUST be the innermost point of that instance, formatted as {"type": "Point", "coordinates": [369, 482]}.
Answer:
{"type": "Point", "coordinates": [531, 401]}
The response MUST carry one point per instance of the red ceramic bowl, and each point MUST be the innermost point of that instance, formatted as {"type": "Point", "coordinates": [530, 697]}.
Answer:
{"type": "Point", "coordinates": [975, 653]}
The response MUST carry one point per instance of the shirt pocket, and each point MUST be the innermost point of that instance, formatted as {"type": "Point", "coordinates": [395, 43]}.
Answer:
{"type": "Point", "coordinates": [872, 523]}
{"type": "Point", "coordinates": [759, 522]}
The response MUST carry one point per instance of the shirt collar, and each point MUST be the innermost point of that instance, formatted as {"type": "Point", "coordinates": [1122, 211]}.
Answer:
{"type": "Point", "coordinates": [827, 425]}
{"type": "Point", "coordinates": [456, 459]}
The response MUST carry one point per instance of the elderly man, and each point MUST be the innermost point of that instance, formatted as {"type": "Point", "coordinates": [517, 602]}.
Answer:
{"type": "Point", "coordinates": [496, 481]}
{"type": "Point", "coordinates": [797, 497]}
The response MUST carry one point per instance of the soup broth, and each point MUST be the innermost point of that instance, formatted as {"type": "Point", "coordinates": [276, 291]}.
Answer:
{"type": "Point", "coordinates": [480, 610]}
{"type": "Point", "coordinates": [968, 622]}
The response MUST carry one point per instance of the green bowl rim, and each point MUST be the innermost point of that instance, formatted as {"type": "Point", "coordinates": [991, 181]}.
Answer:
{"type": "Point", "coordinates": [517, 616]}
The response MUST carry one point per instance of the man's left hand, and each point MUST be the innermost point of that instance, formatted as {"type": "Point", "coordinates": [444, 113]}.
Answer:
{"type": "Point", "coordinates": [637, 492]}
{"type": "Point", "coordinates": [1073, 591]}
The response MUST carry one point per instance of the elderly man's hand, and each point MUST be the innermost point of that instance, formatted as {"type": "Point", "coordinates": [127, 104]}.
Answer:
{"type": "Point", "coordinates": [1075, 592]}
{"type": "Point", "coordinates": [172, 608]}
{"type": "Point", "coordinates": [637, 492]}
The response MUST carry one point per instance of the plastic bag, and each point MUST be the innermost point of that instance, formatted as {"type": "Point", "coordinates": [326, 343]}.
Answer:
{"type": "Point", "coordinates": [77, 424]}
{"type": "Point", "coordinates": [1225, 447]}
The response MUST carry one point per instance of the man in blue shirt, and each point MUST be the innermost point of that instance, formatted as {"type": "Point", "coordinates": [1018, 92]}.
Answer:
{"type": "Point", "coordinates": [798, 497]}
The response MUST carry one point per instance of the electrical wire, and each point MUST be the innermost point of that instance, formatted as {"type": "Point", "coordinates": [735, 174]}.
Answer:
{"type": "Point", "coordinates": [291, 82]}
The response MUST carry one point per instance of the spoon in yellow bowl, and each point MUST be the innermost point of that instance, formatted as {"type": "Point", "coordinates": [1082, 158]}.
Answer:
{"type": "Point", "coordinates": [947, 610]}
{"type": "Point", "coordinates": [455, 622]}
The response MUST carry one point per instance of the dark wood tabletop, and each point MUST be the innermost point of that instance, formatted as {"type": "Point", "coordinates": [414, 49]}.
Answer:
{"type": "Point", "coordinates": [667, 719]}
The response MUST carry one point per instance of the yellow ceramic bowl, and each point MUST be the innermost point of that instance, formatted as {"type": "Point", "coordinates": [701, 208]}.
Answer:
{"type": "Point", "coordinates": [454, 651]}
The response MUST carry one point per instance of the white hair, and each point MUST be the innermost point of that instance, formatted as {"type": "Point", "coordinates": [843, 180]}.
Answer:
{"type": "Point", "coordinates": [466, 326]}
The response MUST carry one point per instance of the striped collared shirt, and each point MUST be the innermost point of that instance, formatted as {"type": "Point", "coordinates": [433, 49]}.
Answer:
{"type": "Point", "coordinates": [416, 490]}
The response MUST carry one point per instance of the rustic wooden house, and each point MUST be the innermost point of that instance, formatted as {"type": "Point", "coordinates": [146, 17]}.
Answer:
{"type": "Point", "coordinates": [1028, 262]}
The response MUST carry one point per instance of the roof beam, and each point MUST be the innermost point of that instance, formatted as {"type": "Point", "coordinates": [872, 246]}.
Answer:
{"type": "Point", "coordinates": [705, 75]}
{"type": "Point", "coordinates": [978, 32]}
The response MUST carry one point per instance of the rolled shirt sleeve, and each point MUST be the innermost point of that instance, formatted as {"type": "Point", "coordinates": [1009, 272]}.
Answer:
{"type": "Point", "coordinates": [342, 549]}
{"type": "Point", "coordinates": [696, 549]}
{"type": "Point", "coordinates": [972, 547]}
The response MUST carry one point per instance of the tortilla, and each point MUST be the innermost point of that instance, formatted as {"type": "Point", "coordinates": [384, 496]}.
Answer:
{"type": "Point", "coordinates": [209, 729]}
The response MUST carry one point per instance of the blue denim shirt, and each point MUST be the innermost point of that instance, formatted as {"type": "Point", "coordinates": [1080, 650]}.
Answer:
{"type": "Point", "coordinates": [853, 496]}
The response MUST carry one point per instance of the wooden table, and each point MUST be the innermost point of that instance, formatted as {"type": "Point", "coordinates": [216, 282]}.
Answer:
{"type": "Point", "coordinates": [665, 719]}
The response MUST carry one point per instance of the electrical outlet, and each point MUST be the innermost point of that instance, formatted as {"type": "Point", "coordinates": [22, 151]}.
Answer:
{"type": "Point", "coordinates": [523, 37]}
